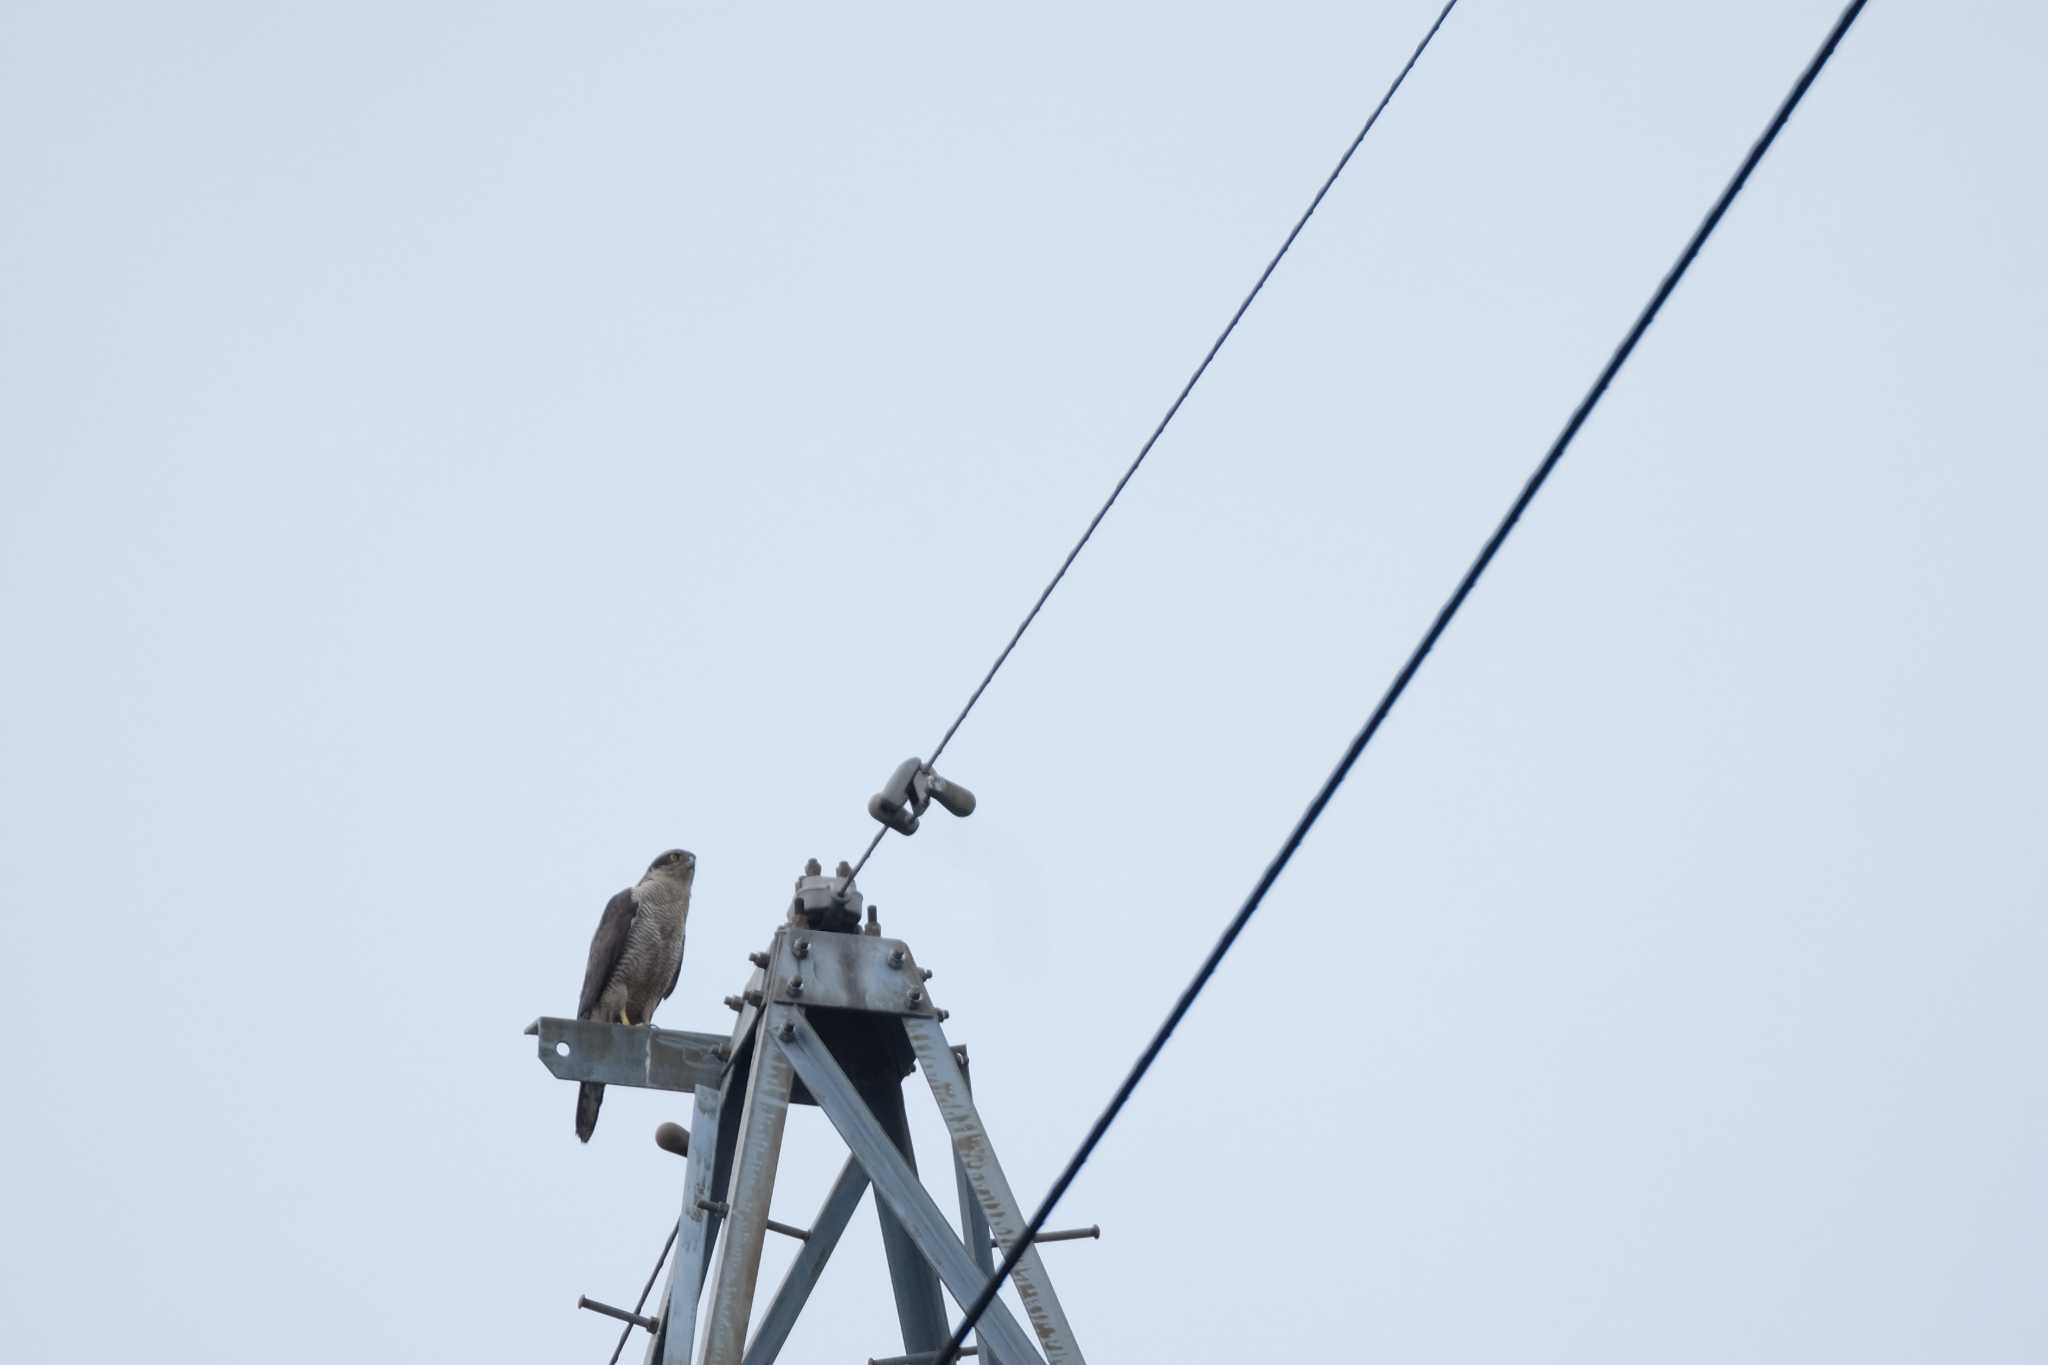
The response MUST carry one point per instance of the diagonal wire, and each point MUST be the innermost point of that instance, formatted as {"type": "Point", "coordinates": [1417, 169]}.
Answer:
{"type": "Point", "coordinates": [1436, 629]}
{"type": "Point", "coordinates": [1179, 399]}
{"type": "Point", "coordinates": [645, 1290]}
{"type": "Point", "coordinates": [1196, 377]}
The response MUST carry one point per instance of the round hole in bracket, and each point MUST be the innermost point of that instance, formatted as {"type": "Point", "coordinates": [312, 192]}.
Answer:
{"type": "Point", "coordinates": [561, 1049]}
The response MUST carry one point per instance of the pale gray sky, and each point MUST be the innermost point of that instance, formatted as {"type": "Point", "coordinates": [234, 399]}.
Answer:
{"type": "Point", "coordinates": [453, 452]}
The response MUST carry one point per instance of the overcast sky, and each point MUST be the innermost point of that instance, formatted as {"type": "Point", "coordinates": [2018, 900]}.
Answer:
{"type": "Point", "coordinates": [450, 453]}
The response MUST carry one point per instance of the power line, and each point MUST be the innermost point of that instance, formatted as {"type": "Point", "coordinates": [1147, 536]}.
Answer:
{"type": "Point", "coordinates": [868, 853]}
{"type": "Point", "coordinates": [1401, 679]}
{"type": "Point", "coordinates": [1174, 408]}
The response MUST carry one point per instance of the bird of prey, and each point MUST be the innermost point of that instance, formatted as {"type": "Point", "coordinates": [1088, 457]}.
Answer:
{"type": "Point", "coordinates": [635, 957]}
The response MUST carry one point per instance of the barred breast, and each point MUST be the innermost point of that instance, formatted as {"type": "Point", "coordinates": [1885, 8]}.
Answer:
{"type": "Point", "coordinates": [654, 944]}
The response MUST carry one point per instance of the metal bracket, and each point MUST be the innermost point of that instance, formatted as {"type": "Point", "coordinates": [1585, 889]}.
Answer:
{"type": "Point", "coordinates": [619, 1054]}
{"type": "Point", "coordinates": [848, 972]}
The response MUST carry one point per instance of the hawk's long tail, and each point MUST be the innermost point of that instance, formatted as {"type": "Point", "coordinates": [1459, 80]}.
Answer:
{"type": "Point", "coordinates": [589, 1096]}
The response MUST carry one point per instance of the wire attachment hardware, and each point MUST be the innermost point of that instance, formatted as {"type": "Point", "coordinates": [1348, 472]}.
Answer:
{"type": "Point", "coordinates": [910, 791]}
{"type": "Point", "coordinates": [640, 1320]}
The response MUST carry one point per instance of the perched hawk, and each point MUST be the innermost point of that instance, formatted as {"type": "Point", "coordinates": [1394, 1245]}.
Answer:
{"type": "Point", "coordinates": [635, 957]}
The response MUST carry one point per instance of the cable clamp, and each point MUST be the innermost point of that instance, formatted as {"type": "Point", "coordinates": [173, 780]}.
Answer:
{"type": "Point", "coordinates": [910, 790]}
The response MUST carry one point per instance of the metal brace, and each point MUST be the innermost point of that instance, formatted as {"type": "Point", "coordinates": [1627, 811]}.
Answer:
{"type": "Point", "coordinates": [862, 1023]}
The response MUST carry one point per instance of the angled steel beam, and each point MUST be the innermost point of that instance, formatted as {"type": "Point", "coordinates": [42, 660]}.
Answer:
{"type": "Point", "coordinates": [992, 1189]}
{"type": "Point", "coordinates": [694, 1233]}
{"type": "Point", "coordinates": [974, 1228]}
{"type": "Point", "coordinates": [796, 1286]}
{"type": "Point", "coordinates": [895, 1183]}
{"type": "Point", "coordinates": [750, 1009]}
{"type": "Point", "coordinates": [746, 1217]}
{"type": "Point", "coordinates": [920, 1308]}
{"type": "Point", "coordinates": [731, 1094]}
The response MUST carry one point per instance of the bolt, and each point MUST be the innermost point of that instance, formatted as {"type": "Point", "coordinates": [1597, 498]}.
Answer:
{"type": "Point", "coordinates": [812, 868]}
{"type": "Point", "coordinates": [896, 958]}
{"type": "Point", "coordinates": [916, 996]}
{"type": "Point", "coordinates": [927, 972]}
{"type": "Point", "coordinates": [944, 1015]}
{"type": "Point", "coordinates": [733, 1003]}
{"type": "Point", "coordinates": [758, 959]}
{"type": "Point", "coordinates": [723, 1052]}
{"type": "Point", "coordinates": [752, 998]}
{"type": "Point", "coordinates": [717, 1206]}
{"type": "Point", "coordinates": [845, 869]}
{"type": "Point", "coordinates": [802, 948]}
{"type": "Point", "coordinates": [787, 1033]}
{"type": "Point", "coordinates": [796, 985]}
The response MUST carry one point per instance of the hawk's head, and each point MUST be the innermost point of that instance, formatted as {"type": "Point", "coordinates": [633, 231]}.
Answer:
{"type": "Point", "coordinates": [677, 865]}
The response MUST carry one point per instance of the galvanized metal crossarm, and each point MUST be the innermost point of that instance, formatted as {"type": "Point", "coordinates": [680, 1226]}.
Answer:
{"type": "Point", "coordinates": [636, 1055]}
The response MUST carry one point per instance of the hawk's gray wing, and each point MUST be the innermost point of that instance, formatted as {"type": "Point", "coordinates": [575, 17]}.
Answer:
{"type": "Point", "coordinates": [607, 945]}
{"type": "Point", "coordinates": [676, 975]}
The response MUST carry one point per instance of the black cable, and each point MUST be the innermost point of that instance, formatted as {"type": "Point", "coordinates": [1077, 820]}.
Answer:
{"type": "Point", "coordinates": [1379, 713]}
{"type": "Point", "coordinates": [646, 1289]}
{"type": "Point", "coordinates": [1179, 399]}
{"type": "Point", "coordinates": [873, 844]}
